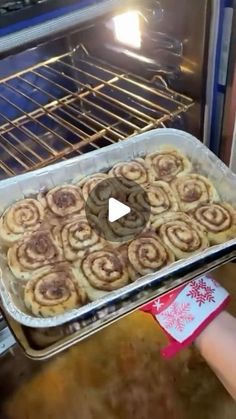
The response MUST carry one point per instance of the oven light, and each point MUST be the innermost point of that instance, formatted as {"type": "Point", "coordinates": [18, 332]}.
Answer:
{"type": "Point", "coordinates": [127, 29]}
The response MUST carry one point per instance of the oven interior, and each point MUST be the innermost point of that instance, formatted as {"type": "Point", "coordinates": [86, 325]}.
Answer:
{"type": "Point", "coordinates": [88, 90]}
{"type": "Point", "coordinates": [93, 87]}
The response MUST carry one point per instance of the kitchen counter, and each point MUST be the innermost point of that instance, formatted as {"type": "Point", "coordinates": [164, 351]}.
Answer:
{"type": "Point", "coordinates": [117, 374]}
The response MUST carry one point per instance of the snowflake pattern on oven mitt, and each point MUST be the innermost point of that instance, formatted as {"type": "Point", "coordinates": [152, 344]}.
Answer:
{"type": "Point", "coordinates": [185, 311]}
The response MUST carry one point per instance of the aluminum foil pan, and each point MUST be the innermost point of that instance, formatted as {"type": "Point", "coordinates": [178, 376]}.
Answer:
{"type": "Point", "coordinates": [44, 343]}
{"type": "Point", "coordinates": [146, 288]}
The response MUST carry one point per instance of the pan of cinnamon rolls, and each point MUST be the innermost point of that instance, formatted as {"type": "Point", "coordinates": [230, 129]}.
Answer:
{"type": "Point", "coordinates": [56, 260]}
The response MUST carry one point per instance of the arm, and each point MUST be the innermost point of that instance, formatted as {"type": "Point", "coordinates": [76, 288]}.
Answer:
{"type": "Point", "coordinates": [195, 313]}
{"type": "Point", "coordinates": [217, 345]}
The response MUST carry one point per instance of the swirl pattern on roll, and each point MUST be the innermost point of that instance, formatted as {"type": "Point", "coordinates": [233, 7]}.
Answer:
{"type": "Point", "coordinates": [125, 228]}
{"type": "Point", "coordinates": [159, 198]}
{"type": "Point", "coordinates": [53, 293]}
{"type": "Point", "coordinates": [78, 238]}
{"type": "Point", "coordinates": [58, 260]}
{"type": "Point", "coordinates": [129, 172]}
{"type": "Point", "coordinates": [94, 196]}
{"type": "Point", "coordinates": [219, 220]}
{"type": "Point", "coordinates": [148, 254]}
{"type": "Point", "coordinates": [168, 164]}
{"type": "Point", "coordinates": [22, 217]}
{"type": "Point", "coordinates": [34, 255]}
{"type": "Point", "coordinates": [63, 201]}
{"type": "Point", "coordinates": [181, 234]}
{"type": "Point", "coordinates": [102, 271]}
{"type": "Point", "coordinates": [193, 190]}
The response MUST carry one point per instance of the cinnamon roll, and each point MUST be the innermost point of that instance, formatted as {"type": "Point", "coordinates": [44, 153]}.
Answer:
{"type": "Point", "coordinates": [130, 173]}
{"type": "Point", "coordinates": [181, 234]}
{"type": "Point", "coordinates": [126, 227]}
{"type": "Point", "coordinates": [77, 238]}
{"type": "Point", "coordinates": [101, 272]}
{"type": "Point", "coordinates": [63, 201]}
{"type": "Point", "coordinates": [20, 218]}
{"type": "Point", "coordinates": [34, 255]}
{"type": "Point", "coordinates": [54, 293]}
{"type": "Point", "coordinates": [159, 199]}
{"type": "Point", "coordinates": [168, 164]}
{"type": "Point", "coordinates": [94, 195]}
{"type": "Point", "coordinates": [219, 221]}
{"type": "Point", "coordinates": [193, 190]}
{"type": "Point", "coordinates": [148, 254]}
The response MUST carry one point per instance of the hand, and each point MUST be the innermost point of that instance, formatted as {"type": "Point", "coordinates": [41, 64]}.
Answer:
{"type": "Point", "coordinates": [184, 312]}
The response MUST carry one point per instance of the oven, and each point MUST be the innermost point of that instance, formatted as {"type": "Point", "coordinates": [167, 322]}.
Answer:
{"type": "Point", "coordinates": [81, 76]}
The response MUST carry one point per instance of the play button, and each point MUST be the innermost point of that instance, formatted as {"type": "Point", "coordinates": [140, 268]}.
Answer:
{"type": "Point", "coordinates": [111, 212]}
{"type": "Point", "coordinates": [116, 210]}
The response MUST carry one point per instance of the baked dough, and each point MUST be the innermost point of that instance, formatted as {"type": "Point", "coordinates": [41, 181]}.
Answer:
{"type": "Point", "coordinates": [20, 218]}
{"type": "Point", "coordinates": [167, 164]}
{"type": "Point", "coordinates": [147, 254]}
{"type": "Point", "coordinates": [61, 260]}
{"type": "Point", "coordinates": [34, 255]}
{"type": "Point", "coordinates": [95, 198]}
{"type": "Point", "coordinates": [63, 201]}
{"type": "Point", "coordinates": [181, 234]}
{"type": "Point", "coordinates": [129, 173]}
{"type": "Point", "coordinates": [159, 199]}
{"type": "Point", "coordinates": [101, 272]}
{"type": "Point", "coordinates": [193, 190]}
{"type": "Point", "coordinates": [77, 238]}
{"type": "Point", "coordinates": [125, 228]}
{"type": "Point", "coordinates": [219, 221]}
{"type": "Point", "coordinates": [54, 293]}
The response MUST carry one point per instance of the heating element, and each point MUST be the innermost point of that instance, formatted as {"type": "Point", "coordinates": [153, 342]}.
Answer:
{"type": "Point", "coordinates": [75, 103]}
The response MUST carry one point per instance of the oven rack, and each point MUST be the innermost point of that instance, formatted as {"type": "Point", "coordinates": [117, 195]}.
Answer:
{"type": "Point", "coordinates": [72, 104]}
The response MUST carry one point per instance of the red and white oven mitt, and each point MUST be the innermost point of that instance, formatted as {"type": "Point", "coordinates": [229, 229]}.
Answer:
{"type": "Point", "coordinates": [185, 311]}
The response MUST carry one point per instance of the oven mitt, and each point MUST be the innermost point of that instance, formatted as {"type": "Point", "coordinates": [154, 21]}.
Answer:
{"type": "Point", "coordinates": [185, 311]}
